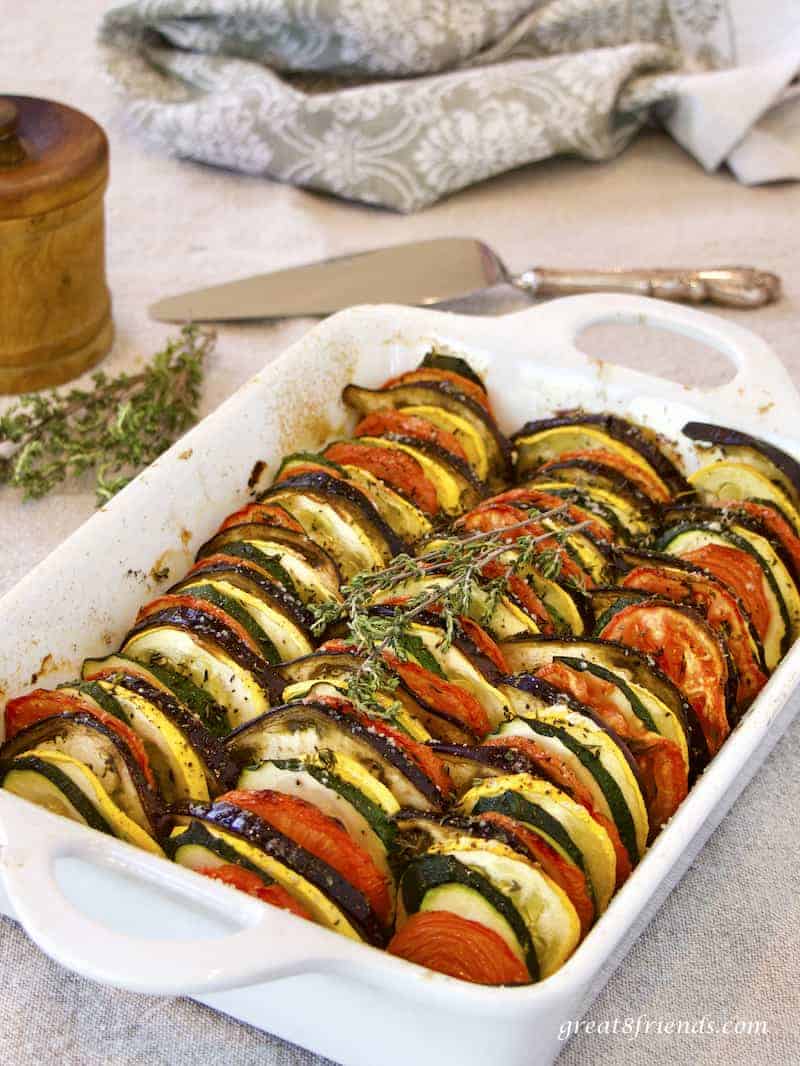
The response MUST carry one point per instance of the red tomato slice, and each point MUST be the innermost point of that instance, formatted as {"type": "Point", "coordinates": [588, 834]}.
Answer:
{"type": "Point", "coordinates": [661, 765]}
{"type": "Point", "coordinates": [739, 571]}
{"type": "Point", "coordinates": [406, 425]}
{"type": "Point", "coordinates": [458, 947]}
{"type": "Point", "coordinates": [521, 590]}
{"type": "Point", "coordinates": [427, 373]}
{"type": "Point", "coordinates": [397, 468]}
{"type": "Point", "coordinates": [443, 696]}
{"type": "Point", "coordinates": [322, 836]}
{"type": "Point", "coordinates": [722, 611]}
{"type": "Point", "coordinates": [559, 773]}
{"type": "Point", "coordinates": [251, 883]}
{"type": "Point", "coordinates": [488, 519]}
{"type": "Point", "coordinates": [680, 650]}
{"type": "Point", "coordinates": [264, 513]}
{"type": "Point", "coordinates": [44, 703]}
{"type": "Point", "coordinates": [534, 498]}
{"type": "Point", "coordinates": [565, 874]}
{"type": "Point", "coordinates": [649, 484]}
{"type": "Point", "coordinates": [163, 603]}
{"type": "Point", "coordinates": [483, 642]}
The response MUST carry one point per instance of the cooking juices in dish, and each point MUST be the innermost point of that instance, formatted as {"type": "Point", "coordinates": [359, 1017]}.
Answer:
{"type": "Point", "coordinates": [434, 689]}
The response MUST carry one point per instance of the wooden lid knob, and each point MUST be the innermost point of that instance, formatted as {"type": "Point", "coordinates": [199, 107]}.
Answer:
{"type": "Point", "coordinates": [50, 155]}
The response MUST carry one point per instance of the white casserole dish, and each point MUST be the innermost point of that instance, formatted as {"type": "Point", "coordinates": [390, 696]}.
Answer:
{"type": "Point", "coordinates": [114, 914]}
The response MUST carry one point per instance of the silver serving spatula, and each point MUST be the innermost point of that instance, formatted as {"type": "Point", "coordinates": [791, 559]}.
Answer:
{"type": "Point", "coordinates": [436, 271]}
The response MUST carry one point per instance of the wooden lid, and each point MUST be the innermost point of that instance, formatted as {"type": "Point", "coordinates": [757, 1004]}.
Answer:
{"type": "Point", "coordinates": [50, 155]}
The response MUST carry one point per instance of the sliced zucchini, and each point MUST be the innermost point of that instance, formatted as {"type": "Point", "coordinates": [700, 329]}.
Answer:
{"type": "Point", "coordinates": [541, 441]}
{"type": "Point", "coordinates": [557, 818]}
{"type": "Point", "coordinates": [301, 729]}
{"type": "Point", "coordinates": [731, 480]}
{"type": "Point", "coordinates": [210, 714]}
{"type": "Point", "coordinates": [599, 760]}
{"type": "Point", "coordinates": [236, 681]}
{"type": "Point", "coordinates": [634, 523]}
{"type": "Point", "coordinates": [82, 739]}
{"type": "Point", "coordinates": [340, 518]}
{"type": "Point", "coordinates": [391, 708]}
{"type": "Point", "coordinates": [467, 436]}
{"type": "Point", "coordinates": [325, 894]}
{"type": "Point", "coordinates": [774, 463]}
{"type": "Point", "coordinates": [340, 787]}
{"type": "Point", "coordinates": [52, 779]}
{"type": "Point", "coordinates": [592, 475]}
{"type": "Point", "coordinates": [653, 688]}
{"type": "Point", "coordinates": [449, 398]}
{"type": "Point", "coordinates": [407, 520]}
{"type": "Point", "coordinates": [312, 573]}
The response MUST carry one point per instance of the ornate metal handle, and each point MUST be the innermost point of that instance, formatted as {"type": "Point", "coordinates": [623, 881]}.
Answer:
{"type": "Point", "coordinates": [730, 286]}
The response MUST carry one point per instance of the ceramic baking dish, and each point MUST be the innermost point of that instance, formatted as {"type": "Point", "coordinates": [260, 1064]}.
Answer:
{"type": "Point", "coordinates": [114, 914]}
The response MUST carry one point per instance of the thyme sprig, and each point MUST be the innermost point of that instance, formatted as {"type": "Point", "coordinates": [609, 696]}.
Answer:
{"type": "Point", "coordinates": [114, 428]}
{"type": "Point", "coordinates": [460, 562]}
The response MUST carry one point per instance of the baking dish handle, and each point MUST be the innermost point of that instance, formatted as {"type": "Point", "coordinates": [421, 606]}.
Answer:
{"type": "Point", "coordinates": [761, 392]}
{"type": "Point", "coordinates": [228, 939]}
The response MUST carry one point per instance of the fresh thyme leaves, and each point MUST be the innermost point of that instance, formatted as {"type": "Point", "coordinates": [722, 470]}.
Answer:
{"type": "Point", "coordinates": [114, 428]}
{"type": "Point", "coordinates": [448, 573]}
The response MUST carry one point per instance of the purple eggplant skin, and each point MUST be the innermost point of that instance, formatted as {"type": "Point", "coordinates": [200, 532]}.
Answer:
{"type": "Point", "coordinates": [289, 538]}
{"type": "Point", "coordinates": [336, 489]}
{"type": "Point", "coordinates": [615, 481]}
{"type": "Point", "coordinates": [221, 769]}
{"type": "Point", "coordinates": [47, 728]}
{"type": "Point", "coordinates": [447, 395]}
{"type": "Point", "coordinates": [708, 433]}
{"type": "Point", "coordinates": [276, 594]}
{"type": "Point", "coordinates": [384, 746]}
{"type": "Point", "coordinates": [208, 626]}
{"type": "Point", "coordinates": [259, 833]}
{"type": "Point", "coordinates": [482, 663]}
{"type": "Point", "coordinates": [489, 757]}
{"type": "Point", "coordinates": [626, 433]}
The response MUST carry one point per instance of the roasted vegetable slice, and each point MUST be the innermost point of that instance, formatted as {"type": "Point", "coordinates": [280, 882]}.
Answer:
{"type": "Point", "coordinates": [323, 893]}
{"type": "Point", "coordinates": [66, 786]}
{"type": "Point", "coordinates": [771, 461]}
{"type": "Point", "coordinates": [459, 947]}
{"type": "Point", "coordinates": [340, 518]}
{"type": "Point", "coordinates": [410, 770]}
{"type": "Point", "coordinates": [341, 788]}
{"type": "Point", "coordinates": [457, 487]}
{"type": "Point", "coordinates": [599, 760]}
{"type": "Point", "coordinates": [447, 395]}
{"type": "Point", "coordinates": [561, 822]}
{"type": "Point", "coordinates": [675, 579]}
{"type": "Point", "coordinates": [688, 651]}
{"type": "Point", "coordinates": [204, 647]}
{"type": "Point", "coordinates": [284, 554]}
{"type": "Point", "coordinates": [570, 431]}
{"type": "Point", "coordinates": [75, 739]}
{"type": "Point", "coordinates": [189, 762]}
{"type": "Point", "coordinates": [729, 480]}
{"type": "Point", "coordinates": [398, 469]}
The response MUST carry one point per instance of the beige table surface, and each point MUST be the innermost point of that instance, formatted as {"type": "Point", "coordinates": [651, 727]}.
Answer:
{"type": "Point", "coordinates": [726, 944]}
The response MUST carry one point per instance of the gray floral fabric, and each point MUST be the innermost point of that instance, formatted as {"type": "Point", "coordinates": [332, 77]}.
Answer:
{"type": "Point", "coordinates": [399, 102]}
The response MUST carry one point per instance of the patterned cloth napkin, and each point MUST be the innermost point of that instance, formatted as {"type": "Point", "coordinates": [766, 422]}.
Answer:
{"type": "Point", "coordinates": [399, 102]}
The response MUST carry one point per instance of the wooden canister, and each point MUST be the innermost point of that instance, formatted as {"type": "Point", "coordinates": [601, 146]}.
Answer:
{"type": "Point", "coordinates": [55, 307]}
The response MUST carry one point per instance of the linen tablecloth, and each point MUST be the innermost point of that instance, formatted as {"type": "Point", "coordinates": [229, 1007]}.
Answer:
{"type": "Point", "coordinates": [725, 945]}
